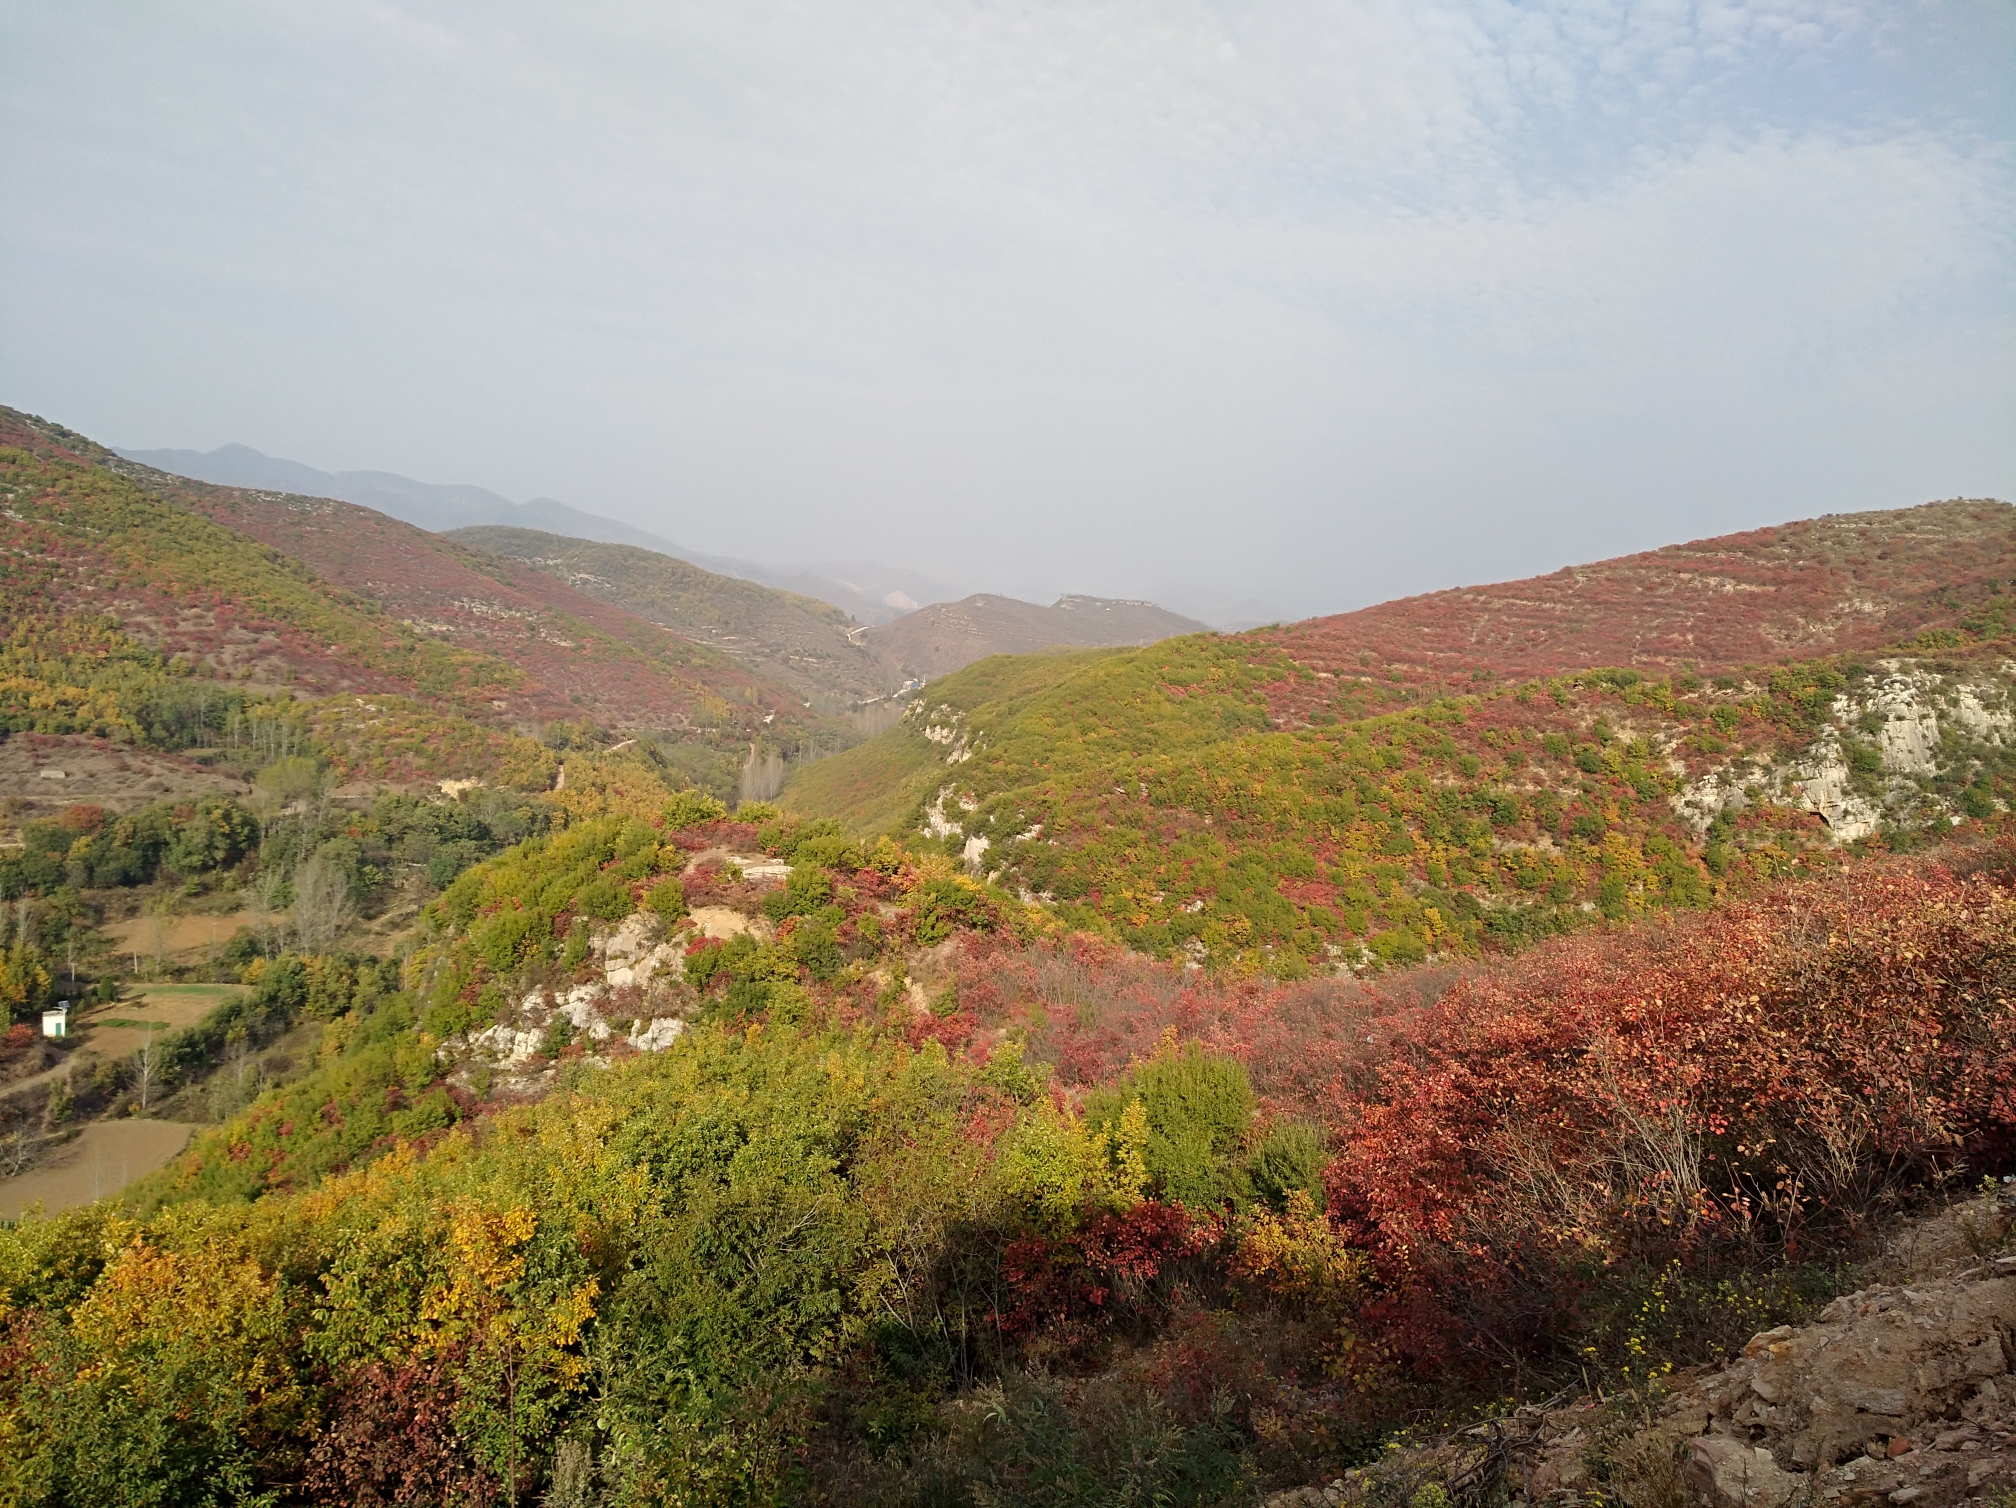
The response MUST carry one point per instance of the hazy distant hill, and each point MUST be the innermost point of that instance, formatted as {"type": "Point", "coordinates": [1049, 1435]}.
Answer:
{"type": "Point", "coordinates": [1228, 612]}
{"type": "Point", "coordinates": [872, 593]}
{"type": "Point", "coordinates": [431, 506]}
{"type": "Point", "coordinates": [940, 639]}
{"type": "Point", "coordinates": [809, 645]}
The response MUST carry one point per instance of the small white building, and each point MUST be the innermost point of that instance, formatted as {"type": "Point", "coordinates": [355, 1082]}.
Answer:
{"type": "Point", "coordinates": [56, 1023]}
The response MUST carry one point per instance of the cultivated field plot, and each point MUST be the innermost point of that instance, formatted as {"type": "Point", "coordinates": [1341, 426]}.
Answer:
{"type": "Point", "coordinates": [47, 773]}
{"type": "Point", "coordinates": [174, 935]}
{"type": "Point", "coordinates": [121, 1026]}
{"type": "Point", "coordinates": [105, 1157]}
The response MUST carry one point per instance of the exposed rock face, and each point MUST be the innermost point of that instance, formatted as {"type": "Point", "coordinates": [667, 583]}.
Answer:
{"type": "Point", "coordinates": [629, 1004]}
{"type": "Point", "coordinates": [1900, 1392]}
{"type": "Point", "coordinates": [1726, 1471]}
{"type": "Point", "coordinates": [633, 955]}
{"type": "Point", "coordinates": [1918, 723]}
{"type": "Point", "coordinates": [1897, 1392]}
{"type": "Point", "coordinates": [723, 922]}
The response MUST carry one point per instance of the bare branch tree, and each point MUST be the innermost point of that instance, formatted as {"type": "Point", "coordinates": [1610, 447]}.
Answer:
{"type": "Point", "coordinates": [262, 901]}
{"type": "Point", "coordinates": [146, 1070]}
{"type": "Point", "coordinates": [158, 921]}
{"type": "Point", "coordinates": [19, 1150]}
{"type": "Point", "coordinates": [322, 910]}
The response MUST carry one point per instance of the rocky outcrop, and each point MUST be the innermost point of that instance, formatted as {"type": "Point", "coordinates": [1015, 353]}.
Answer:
{"type": "Point", "coordinates": [634, 954]}
{"type": "Point", "coordinates": [631, 1003]}
{"type": "Point", "coordinates": [1900, 1393]}
{"type": "Point", "coordinates": [1916, 721]}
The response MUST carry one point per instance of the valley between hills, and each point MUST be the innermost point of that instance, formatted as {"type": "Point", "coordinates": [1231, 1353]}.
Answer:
{"type": "Point", "coordinates": [576, 1026]}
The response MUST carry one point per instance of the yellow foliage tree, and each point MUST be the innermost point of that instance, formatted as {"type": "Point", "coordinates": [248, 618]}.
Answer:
{"type": "Point", "coordinates": [24, 983]}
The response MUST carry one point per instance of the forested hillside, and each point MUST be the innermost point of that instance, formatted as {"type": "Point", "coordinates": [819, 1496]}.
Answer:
{"type": "Point", "coordinates": [890, 1198]}
{"type": "Point", "coordinates": [1849, 583]}
{"type": "Point", "coordinates": [96, 563]}
{"type": "Point", "coordinates": [1234, 801]}
{"type": "Point", "coordinates": [488, 634]}
{"type": "Point", "coordinates": [811, 646]}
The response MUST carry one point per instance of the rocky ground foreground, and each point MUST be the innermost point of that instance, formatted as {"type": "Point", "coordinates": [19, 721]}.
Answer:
{"type": "Point", "coordinates": [1898, 1393]}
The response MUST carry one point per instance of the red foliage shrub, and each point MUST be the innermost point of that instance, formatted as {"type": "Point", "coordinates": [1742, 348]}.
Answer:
{"type": "Point", "coordinates": [953, 1032]}
{"type": "Point", "coordinates": [1719, 1085]}
{"type": "Point", "coordinates": [710, 884]}
{"type": "Point", "coordinates": [1069, 1287]}
{"type": "Point", "coordinates": [871, 884]}
{"type": "Point", "coordinates": [82, 818]}
{"type": "Point", "coordinates": [1205, 1361]}
{"type": "Point", "coordinates": [740, 836]}
{"type": "Point", "coordinates": [1091, 1008]}
{"type": "Point", "coordinates": [392, 1440]}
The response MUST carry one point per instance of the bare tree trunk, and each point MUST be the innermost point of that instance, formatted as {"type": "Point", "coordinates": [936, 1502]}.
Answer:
{"type": "Point", "coordinates": [157, 935]}
{"type": "Point", "coordinates": [762, 775]}
{"type": "Point", "coordinates": [266, 894]}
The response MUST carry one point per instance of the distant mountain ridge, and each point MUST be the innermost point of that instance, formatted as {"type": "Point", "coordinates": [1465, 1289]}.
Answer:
{"type": "Point", "coordinates": [434, 507]}
{"type": "Point", "coordinates": [873, 593]}
{"type": "Point", "coordinates": [949, 636]}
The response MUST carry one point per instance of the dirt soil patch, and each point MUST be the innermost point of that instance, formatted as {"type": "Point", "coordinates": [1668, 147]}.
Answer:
{"type": "Point", "coordinates": [47, 772]}
{"type": "Point", "coordinates": [105, 1157]}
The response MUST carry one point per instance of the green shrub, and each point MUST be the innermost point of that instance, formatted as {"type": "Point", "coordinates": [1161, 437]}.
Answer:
{"type": "Point", "coordinates": [667, 898]}
{"type": "Point", "coordinates": [604, 899]}
{"type": "Point", "coordinates": [1200, 1110]}
{"type": "Point", "coordinates": [809, 887]}
{"type": "Point", "coordinates": [1289, 1161]}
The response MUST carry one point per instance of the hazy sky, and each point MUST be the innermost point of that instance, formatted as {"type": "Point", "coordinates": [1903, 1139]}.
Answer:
{"type": "Point", "coordinates": [1318, 303]}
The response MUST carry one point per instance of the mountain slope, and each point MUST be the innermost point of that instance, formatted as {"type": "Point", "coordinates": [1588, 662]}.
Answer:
{"type": "Point", "coordinates": [1227, 800]}
{"type": "Point", "coordinates": [373, 604]}
{"type": "Point", "coordinates": [808, 645]}
{"type": "Point", "coordinates": [1842, 583]}
{"type": "Point", "coordinates": [874, 594]}
{"type": "Point", "coordinates": [95, 559]}
{"type": "Point", "coordinates": [430, 505]}
{"type": "Point", "coordinates": [947, 636]}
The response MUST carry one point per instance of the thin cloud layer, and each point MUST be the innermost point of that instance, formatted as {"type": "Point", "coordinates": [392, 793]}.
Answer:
{"type": "Point", "coordinates": [1311, 303]}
